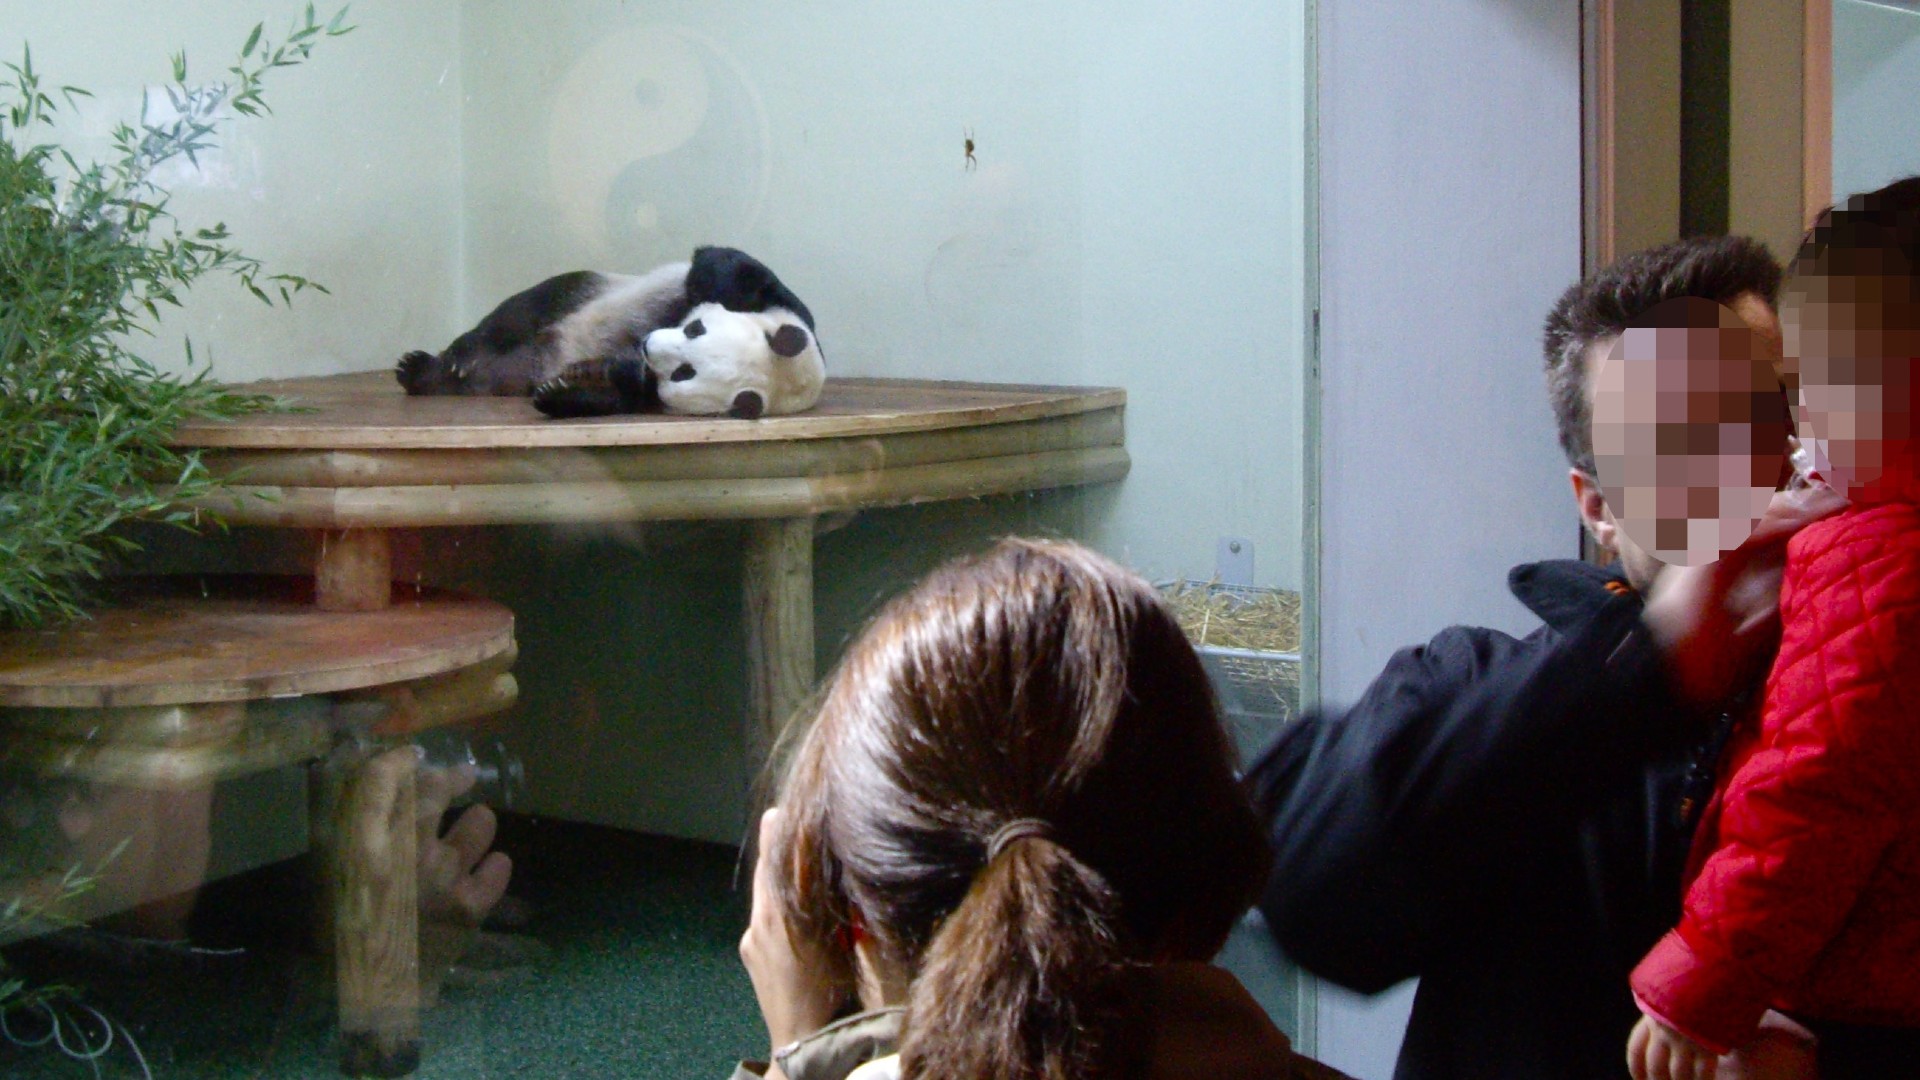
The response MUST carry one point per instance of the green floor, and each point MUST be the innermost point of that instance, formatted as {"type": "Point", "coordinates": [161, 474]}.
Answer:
{"type": "Point", "coordinates": [643, 978]}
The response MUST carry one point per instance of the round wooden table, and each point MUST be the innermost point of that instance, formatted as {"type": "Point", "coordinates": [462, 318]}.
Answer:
{"type": "Point", "coordinates": [367, 459]}
{"type": "Point", "coordinates": [177, 683]}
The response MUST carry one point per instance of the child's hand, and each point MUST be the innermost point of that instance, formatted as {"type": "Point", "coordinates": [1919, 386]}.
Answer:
{"type": "Point", "coordinates": [1717, 621]}
{"type": "Point", "coordinates": [1658, 1052]}
{"type": "Point", "coordinates": [791, 977]}
{"type": "Point", "coordinates": [1783, 1050]}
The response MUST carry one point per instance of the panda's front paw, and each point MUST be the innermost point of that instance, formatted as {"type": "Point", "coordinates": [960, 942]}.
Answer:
{"type": "Point", "coordinates": [415, 371]}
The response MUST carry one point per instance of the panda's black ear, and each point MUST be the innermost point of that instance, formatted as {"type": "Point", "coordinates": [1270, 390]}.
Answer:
{"type": "Point", "coordinates": [788, 341]}
{"type": "Point", "coordinates": [747, 405]}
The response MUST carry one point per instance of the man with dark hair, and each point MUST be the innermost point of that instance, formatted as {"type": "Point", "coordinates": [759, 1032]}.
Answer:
{"type": "Point", "coordinates": [1735, 271]}
{"type": "Point", "coordinates": [1507, 820]}
{"type": "Point", "coordinates": [1732, 270]}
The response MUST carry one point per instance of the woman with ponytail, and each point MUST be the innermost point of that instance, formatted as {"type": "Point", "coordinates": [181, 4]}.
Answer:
{"type": "Point", "coordinates": [1009, 842]}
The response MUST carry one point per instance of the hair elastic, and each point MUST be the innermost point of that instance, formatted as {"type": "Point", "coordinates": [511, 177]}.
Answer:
{"type": "Point", "coordinates": [1017, 829]}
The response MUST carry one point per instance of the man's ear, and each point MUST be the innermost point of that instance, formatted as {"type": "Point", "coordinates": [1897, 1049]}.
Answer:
{"type": "Point", "coordinates": [1592, 503]}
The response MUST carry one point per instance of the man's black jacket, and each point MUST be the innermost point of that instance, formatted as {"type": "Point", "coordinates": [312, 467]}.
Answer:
{"type": "Point", "coordinates": [1500, 818]}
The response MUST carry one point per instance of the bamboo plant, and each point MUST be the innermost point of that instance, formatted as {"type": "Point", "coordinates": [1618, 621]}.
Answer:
{"type": "Point", "coordinates": [90, 256]}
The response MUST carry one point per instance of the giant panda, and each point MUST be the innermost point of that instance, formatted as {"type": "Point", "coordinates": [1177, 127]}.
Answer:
{"type": "Point", "coordinates": [578, 343]}
{"type": "Point", "coordinates": [745, 364]}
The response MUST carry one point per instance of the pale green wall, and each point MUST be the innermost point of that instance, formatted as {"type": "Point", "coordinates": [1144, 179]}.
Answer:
{"type": "Point", "coordinates": [1136, 219]}
{"type": "Point", "coordinates": [354, 181]}
{"type": "Point", "coordinates": [1876, 96]}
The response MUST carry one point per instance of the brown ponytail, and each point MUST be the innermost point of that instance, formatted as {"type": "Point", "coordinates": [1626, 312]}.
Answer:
{"type": "Point", "coordinates": [1022, 980]}
{"type": "Point", "coordinates": [1018, 779]}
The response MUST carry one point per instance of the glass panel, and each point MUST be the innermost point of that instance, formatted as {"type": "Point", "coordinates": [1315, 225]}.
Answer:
{"type": "Point", "coordinates": [1080, 195]}
{"type": "Point", "coordinates": [1876, 72]}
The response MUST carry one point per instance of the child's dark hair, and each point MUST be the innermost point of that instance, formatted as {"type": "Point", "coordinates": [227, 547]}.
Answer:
{"type": "Point", "coordinates": [1852, 237]}
{"type": "Point", "coordinates": [1040, 684]}
{"type": "Point", "coordinates": [1861, 260]}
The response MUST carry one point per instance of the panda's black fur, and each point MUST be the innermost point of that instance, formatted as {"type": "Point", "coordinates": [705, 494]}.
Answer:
{"type": "Point", "coordinates": [734, 279]}
{"type": "Point", "coordinates": [587, 322]}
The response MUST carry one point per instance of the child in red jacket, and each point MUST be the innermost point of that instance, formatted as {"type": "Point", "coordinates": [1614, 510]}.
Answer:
{"type": "Point", "coordinates": [1805, 896]}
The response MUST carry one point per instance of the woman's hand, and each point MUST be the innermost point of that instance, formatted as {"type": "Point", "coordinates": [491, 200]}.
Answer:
{"type": "Point", "coordinates": [792, 978]}
{"type": "Point", "coordinates": [461, 878]}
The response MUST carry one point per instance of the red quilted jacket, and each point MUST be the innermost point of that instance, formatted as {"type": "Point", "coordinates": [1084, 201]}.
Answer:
{"type": "Point", "coordinates": [1808, 896]}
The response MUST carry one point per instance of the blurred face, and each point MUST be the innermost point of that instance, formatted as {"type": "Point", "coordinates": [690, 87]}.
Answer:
{"type": "Point", "coordinates": [1689, 433]}
{"type": "Point", "coordinates": [1851, 348]}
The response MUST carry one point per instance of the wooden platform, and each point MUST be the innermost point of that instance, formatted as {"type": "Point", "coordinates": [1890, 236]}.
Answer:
{"type": "Point", "coordinates": [366, 458]}
{"type": "Point", "coordinates": [368, 410]}
{"type": "Point", "coordinates": [196, 640]}
{"type": "Point", "coordinates": [179, 682]}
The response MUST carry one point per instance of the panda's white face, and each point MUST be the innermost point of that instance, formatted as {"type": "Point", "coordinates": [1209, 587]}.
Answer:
{"type": "Point", "coordinates": [739, 363]}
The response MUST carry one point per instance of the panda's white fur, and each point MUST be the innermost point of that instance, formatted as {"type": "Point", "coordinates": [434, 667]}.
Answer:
{"type": "Point", "coordinates": [603, 325]}
{"type": "Point", "coordinates": [716, 355]}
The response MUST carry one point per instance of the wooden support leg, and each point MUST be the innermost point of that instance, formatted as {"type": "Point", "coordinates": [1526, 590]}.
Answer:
{"type": "Point", "coordinates": [376, 916]}
{"type": "Point", "coordinates": [323, 819]}
{"type": "Point", "coordinates": [779, 600]}
{"type": "Point", "coordinates": [354, 571]}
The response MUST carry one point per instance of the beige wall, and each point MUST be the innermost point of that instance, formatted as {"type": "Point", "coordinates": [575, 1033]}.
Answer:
{"type": "Point", "coordinates": [1764, 121]}
{"type": "Point", "coordinates": [1646, 124]}
{"type": "Point", "coordinates": [1765, 172]}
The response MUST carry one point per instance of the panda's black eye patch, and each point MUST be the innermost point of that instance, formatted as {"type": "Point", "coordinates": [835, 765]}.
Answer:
{"type": "Point", "coordinates": [694, 329]}
{"type": "Point", "coordinates": [681, 373]}
{"type": "Point", "coordinates": [789, 340]}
